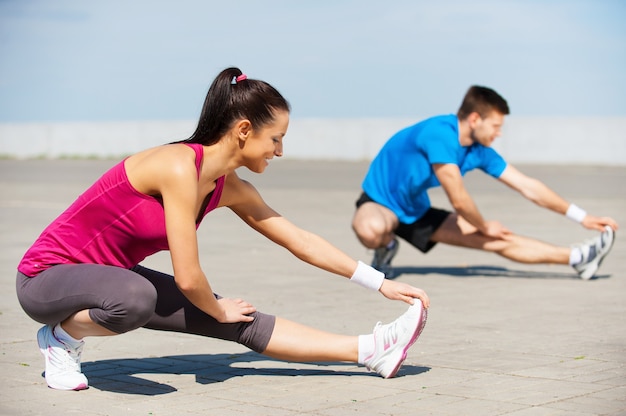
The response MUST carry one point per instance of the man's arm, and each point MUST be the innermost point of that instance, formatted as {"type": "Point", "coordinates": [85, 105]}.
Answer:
{"type": "Point", "coordinates": [539, 193]}
{"type": "Point", "coordinates": [451, 181]}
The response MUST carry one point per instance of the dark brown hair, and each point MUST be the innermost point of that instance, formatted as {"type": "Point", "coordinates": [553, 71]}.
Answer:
{"type": "Point", "coordinates": [483, 101]}
{"type": "Point", "coordinates": [229, 100]}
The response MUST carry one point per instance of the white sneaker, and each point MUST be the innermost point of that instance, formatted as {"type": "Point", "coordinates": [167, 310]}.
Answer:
{"type": "Point", "coordinates": [62, 361]}
{"type": "Point", "coordinates": [392, 341]}
{"type": "Point", "coordinates": [594, 252]}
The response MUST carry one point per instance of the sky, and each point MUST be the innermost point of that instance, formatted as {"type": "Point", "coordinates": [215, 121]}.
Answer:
{"type": "Point", "coordinates": [131, 60]}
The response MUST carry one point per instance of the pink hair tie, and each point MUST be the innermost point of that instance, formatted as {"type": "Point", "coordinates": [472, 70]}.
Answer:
{"type": "Point", "coordinates": [241, 78]}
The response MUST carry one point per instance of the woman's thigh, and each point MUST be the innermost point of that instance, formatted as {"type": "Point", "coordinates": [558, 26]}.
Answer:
{"type": "Point", "coordinates": [117, 298]}
{"type": "Point", "coordinates": [174, 312]}
{"type": "Point", "coordinates": [121, 300]}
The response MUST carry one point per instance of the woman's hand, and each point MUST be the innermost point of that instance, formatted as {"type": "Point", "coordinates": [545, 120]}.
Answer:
{"type": "Point", "coordinates": [401, 291]}
{"type": "Point", "coordinates": [235, 310]}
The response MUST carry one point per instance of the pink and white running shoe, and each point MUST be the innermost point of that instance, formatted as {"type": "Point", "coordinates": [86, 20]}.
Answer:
{"type": "Point", "coordinates": [393, 340]}
{"type": "Point", "coordinates": [62, 361]}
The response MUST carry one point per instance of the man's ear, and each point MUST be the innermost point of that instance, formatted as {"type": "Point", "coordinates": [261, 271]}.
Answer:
{"type": "Point", "coordinates": [472, 118]}
{"type": "Point", "coordinates": [243, 129]}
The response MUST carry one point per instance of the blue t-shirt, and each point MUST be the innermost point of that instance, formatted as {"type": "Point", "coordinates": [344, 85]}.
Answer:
{"type": "Point", "coordinates": [402, 172]}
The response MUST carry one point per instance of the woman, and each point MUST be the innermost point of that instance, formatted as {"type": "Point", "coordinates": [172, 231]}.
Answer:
{"type": "Point", "coordinates": [82, 276]}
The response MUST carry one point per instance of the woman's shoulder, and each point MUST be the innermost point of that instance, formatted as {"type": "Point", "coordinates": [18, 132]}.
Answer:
{"type": "Point", "coordinates": [167, 156]}
{"type": "Point", "coordinates": [151, 167]}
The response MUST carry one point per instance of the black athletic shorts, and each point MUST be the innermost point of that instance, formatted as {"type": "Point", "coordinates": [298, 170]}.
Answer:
{"type": "Point", "coordinates": [419, 232]}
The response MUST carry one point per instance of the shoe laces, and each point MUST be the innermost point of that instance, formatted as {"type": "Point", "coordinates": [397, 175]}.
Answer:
{"type": "Point", "coordinates": [592, 253]}
{"type": "Point", "coordinates": [69, 359]}
{"type": "Point", "coordinates": [591, 247]}
{"type": "Point", "coordinates": [390, 334]}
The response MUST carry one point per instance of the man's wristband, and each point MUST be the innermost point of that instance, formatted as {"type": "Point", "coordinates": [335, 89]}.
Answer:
{"type": "Point", "coordinates": [367, 276]}
{"type": "Point", "coordinates": [575, 213]}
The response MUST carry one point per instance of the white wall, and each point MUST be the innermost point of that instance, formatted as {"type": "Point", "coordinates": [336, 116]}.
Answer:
{"type": "Point", "coordinates": [542, 140]}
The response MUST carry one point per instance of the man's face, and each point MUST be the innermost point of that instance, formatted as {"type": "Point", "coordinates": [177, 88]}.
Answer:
{"type": "Point", "coordinates": [485, 130]}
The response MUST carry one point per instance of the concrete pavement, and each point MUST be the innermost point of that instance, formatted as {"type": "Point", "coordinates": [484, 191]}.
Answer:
{"type": "Point", "coordinates": [502, 338]}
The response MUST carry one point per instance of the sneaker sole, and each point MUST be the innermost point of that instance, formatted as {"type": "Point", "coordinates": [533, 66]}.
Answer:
{"type": "Point", "coordinates": [418, 331]}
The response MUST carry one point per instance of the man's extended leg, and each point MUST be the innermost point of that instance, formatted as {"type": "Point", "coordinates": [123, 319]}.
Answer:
{"type": "Point", "coordinates": [585, 258]}
{"type": "Point", "coordinates": [456, 231]}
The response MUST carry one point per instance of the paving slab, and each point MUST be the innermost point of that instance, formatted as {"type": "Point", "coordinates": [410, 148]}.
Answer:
{"type": "Point", "coordinates": [502, 338]}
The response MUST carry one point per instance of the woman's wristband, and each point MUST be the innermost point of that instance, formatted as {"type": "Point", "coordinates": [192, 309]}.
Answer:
{"type": "Point", "coordinates": [575, 213]}
{"type": "Point", "coordinates": [367, 276]}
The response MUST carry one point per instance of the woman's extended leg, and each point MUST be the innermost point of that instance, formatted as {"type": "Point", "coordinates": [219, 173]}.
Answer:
{"type": "Point", "coordinates": [382, 351]}
{"type": "Point", "coordinates": [292, 341]}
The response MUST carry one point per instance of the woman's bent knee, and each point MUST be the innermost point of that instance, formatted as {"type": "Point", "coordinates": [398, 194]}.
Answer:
{"type": "Point", "coordinates": [257, 334]}
{"type": "Point", "coordinates": [132, 308]}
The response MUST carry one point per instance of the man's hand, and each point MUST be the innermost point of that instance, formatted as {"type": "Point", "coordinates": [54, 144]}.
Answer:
{"type": "Point", "coordinates": [496, 230]}
{"type": "Point", "coordinates": [598, 223]}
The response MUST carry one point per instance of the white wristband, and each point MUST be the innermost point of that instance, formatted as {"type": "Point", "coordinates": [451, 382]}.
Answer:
{"type": "Point", "coordinates": [575, 213]}
{"type": "Point", "coordinates": [367, 276]}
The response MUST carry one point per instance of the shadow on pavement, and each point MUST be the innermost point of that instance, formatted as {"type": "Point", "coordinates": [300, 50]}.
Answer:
{"type": "Point", "coordinates": [131, 376]}
{"type": "Point", "coordinates": [486, 271]}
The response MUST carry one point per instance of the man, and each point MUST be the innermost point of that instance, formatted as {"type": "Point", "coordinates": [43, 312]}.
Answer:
{"type": "Point", "coordinates": [438, 152]}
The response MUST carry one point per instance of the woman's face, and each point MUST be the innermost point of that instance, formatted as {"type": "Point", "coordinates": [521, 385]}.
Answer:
{"type": "Point", "coordinates": [265, 143]}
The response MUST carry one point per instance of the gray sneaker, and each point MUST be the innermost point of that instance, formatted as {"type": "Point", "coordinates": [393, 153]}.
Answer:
{"type": "Point", "coordinates": [383, 256]}
{"type": "Point", "coordinates": [594, 253]}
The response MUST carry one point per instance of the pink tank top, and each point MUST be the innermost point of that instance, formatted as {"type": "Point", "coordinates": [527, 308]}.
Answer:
{"type": "Point", "coordinates": [111, 223]}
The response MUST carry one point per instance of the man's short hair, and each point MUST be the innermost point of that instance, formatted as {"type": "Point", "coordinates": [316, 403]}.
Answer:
{"type": "Point", "coordinates": [483, 101]}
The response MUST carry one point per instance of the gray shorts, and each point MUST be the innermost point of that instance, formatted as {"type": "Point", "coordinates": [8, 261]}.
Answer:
{"type": "Point", "coordinates": [121, 300]}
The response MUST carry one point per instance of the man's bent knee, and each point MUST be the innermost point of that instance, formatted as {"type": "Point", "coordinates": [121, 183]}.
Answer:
{"type": "Point", "coordinates": [372, 225]}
